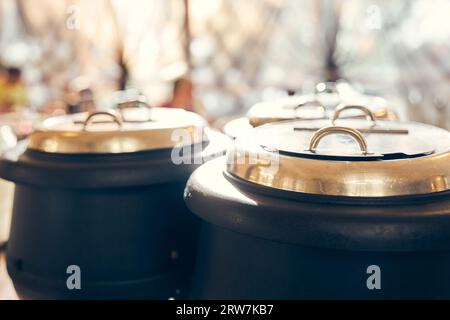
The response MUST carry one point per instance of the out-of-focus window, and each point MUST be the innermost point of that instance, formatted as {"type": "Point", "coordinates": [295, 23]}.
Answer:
{"type": "Point", "coordinates": [99, 42]}
{"type": "Point", "coordinates": [240, 51]}
{"type": "Point", "coordinates": [248, 52]}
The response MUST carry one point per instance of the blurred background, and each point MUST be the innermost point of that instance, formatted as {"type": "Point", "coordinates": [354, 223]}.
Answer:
{"type": "Point", "coordinates": [218, 57]}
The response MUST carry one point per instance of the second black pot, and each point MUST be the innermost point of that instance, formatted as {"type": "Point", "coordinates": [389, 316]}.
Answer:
{"type": "Point", "coordinates": [128, 243]}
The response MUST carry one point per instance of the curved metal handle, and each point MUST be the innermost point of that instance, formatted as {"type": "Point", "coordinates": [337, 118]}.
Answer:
{"type": "Point", "coordinates": [135, 103]}
{"type": "Point", "coordinates": [314, 103]}
{"type": "Point", "coordinates": [342, 107]}
{"type": "Point", "coordinates": [115, 118]}
{"type": "Point", "coordinates": [322, 133]}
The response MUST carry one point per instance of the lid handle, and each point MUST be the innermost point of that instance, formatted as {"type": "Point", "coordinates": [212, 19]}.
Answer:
{"type": "Point", "coordinates": [114, 117]}
{"type": "Point", "coordinates": [135, 103]}
{"type": "Point", "coordinates": [313, 103]}
{"type": "Point", "coordinates": [342, 107]}
{"type": "Point", "coordinates": [322, 133]}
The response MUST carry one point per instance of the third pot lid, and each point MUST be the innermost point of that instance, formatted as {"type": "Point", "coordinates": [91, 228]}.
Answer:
{"type": "Point", "coordinates": [314, 106]}
{"type": "Point", "coordinates": [350, 158]}
{"type": "Point", "coordinates": [118, 131]}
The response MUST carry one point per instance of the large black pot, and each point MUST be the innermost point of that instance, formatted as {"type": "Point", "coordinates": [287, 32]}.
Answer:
{"type": "Point", "coordinates": [120, 218]}
{"type": "Point", "coordinates": [265, 240]}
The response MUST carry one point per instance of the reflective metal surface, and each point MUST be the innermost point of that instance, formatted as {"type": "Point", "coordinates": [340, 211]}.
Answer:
{"type": "Point", "coordinates": [320, 105]}
{"type": "Point", "coordinates": [342, 107]}
{"type": "Point", "coordinates": [276, 157]}
{"type": "Point", "coordinates": [386, 139]}
{"type": "Point", "coordinates": [118, 132]}
{"type": "Point", "coordinates": [322, 133]}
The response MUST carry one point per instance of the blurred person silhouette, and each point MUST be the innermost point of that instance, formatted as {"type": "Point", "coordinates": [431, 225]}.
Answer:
{"type": "Point", "coordinates": [183, 98]}
{"type": "Point", "coordinates": [181, 95]}
{"type": "Point", "coordinates": [79, 96]}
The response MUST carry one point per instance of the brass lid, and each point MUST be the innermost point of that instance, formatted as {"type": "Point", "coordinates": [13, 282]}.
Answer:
{"type": "Point", "coordinates": [352, 158]}
{"type": "Point", "coordinates": [319, 105]}
{"type": "Point", "coordinates": [118, 131]}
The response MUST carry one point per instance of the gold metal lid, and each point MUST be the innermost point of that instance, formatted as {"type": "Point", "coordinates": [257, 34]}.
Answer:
{"type": "Point", "coordinates": [319, 105]}
{"type": "Point", "coordinates": [118, 131]}
{"type": "Point", "coordinates": [352, 158]}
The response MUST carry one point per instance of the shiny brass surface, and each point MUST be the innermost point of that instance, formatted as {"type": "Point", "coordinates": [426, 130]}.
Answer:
{"type": "Point", "coordinates": [362, 130]}
{"type": "Point", "coordinates": [385, 114]}
{"type": "Point", "coordinates": [294, 107]}
{"type": "Point", "coordinates": [251, 159]}
{"type": "Point", "coordinates": [386, 138]}
{"type": "Point", "coordinates": [115, 118]}
{"type": "Point", "coordinates": [289, 108]}
{"type": "Point", "coordinates": [112, 132]}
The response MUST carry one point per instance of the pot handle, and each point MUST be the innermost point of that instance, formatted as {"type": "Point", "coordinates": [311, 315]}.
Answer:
{"type": "Point", "coordinates": [115, 118]}
{"type": "Point", "coordinates": [314, 103]}
{"type": "Point", "coordinates": [322, 133]}
{"type": "Point", "coordinates": [135, 103]}
{"type": "Point", "coordinates": [330, 87]}
{"type": "Point", "coordinates": [342, 107]}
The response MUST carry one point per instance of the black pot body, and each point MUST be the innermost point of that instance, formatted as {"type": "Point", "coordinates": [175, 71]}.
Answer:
{"type": "Point", "coordinates": [260, 244]}
{"type": "Point", "coordinates": [133, 242]}
{"type": "Point", "coordinates": [232, 265]}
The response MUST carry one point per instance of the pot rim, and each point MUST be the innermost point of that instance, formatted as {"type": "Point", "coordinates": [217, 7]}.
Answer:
{"type": "Point", "coordinates": [423, 226]}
